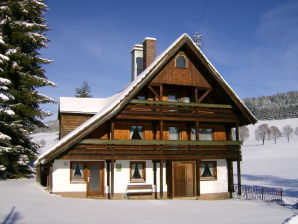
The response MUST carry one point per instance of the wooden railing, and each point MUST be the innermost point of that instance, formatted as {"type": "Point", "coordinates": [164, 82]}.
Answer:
{"type": "Point", "coordinates": [160, 145]}
{"type": "Point", "coordinates": [165, 110]}
{"type": "Point", "coordinates": [154, 149]}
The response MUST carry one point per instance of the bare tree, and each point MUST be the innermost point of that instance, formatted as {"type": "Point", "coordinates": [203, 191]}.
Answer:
{"type": "Point", "coordinates": [287, 131]}
{"type": "Point", "coordinates": [275, 133]}
{"type": "Point", "coordinates": [243, 133]}
{"type": "Point", "coordinates": [262, 133]}
{"type": "Point", "coordinates": [296, 131]}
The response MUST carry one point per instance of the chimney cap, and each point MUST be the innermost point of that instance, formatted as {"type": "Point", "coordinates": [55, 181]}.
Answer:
{"type": "Point", "coordinates": [138, 47]}
{"type": "Point", "coordinates": [149, 38]}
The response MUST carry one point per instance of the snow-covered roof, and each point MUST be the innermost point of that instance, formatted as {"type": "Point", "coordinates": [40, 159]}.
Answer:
{"type": "Point", "coordinates": [112, 105]}
{"type": "Point", "coordinates": [82, 105]}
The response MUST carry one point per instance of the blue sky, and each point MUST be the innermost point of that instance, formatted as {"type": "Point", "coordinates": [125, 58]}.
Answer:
{"type": "Point", "coordinates": [253, 44]}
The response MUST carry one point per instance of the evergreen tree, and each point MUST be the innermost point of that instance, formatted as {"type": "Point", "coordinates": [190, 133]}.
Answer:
{"type": "Point", "coordinates": [84, 91]}
{"type": "Point", "coordinates": [22, 25]}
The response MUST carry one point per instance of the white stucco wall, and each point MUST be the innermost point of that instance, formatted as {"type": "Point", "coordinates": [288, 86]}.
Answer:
{"type": "Point", "coordinates": [61, 177]}
{"type": "Point", "coordinates": [122, 177]}
{"type": "Point", "coordinates": [216, 186]}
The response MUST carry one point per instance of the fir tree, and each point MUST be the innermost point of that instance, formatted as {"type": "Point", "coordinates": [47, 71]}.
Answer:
{"type": "Point", "coordinates": [84, 91]}
{"type": "Point", "coordinates": [22, 25]}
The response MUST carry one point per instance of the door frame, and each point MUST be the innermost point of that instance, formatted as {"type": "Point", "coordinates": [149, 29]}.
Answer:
{"type": "Point", "coordinates": [173, 178]}
{"type": "Point", "coordinates": [102, 167]}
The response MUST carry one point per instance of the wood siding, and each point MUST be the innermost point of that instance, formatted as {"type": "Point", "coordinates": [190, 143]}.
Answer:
{"type": "Point", "coordinates": [69, 122]}
{"type": "Point", "coordinates": [189, 76]}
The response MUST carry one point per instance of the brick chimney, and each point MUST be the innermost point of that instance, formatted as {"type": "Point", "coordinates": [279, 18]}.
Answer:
{"type": "Point", "coordinates": [149, 46]}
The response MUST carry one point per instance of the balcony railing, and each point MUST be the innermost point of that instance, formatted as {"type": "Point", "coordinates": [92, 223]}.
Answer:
{"type": "Point", "coordinates": [165, 110]}
{"type": "Point", "coordinates": [161, 144]}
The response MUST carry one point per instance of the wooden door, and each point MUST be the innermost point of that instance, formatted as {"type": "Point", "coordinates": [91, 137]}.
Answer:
{"type": "Point", "coordinates": [95, 179]}
{"type": "Point", "coordinates": [183, 179]}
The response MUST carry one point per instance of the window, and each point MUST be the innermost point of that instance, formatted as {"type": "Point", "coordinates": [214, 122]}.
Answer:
{"type": "Point", "coordinates": [180, 62]}
{"type": "Point", "coordinates": [193, 134]}
{"type": "Point", "coordinates": [208, 170]}
{"type": "Point", "coordinates": [173, 133]}
{"type": "Point", "coordinates": [206, 134]}
{"type": "Point", "coordinates": [77, 172]}
{"type": "Point", "coordinates": [136, 132]}
{"type": "Point", "coordinates": [138, 171]}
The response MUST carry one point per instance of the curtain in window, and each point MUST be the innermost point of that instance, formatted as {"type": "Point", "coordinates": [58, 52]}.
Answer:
{"type": "Point", "coordinates": [174, 135]}
{"type": "Point", "coordinates": [206, 134]}
{"type": "Point", "coordinates": [207, 170]}
{"type": "Point", "coordinates": [137, 171]}
{"type": "Point", "coordinates": [193, 134]}
{"type": "Point", "coordinates": [77, 171]}
{"type": "Point", "coordinates": [136, 132]}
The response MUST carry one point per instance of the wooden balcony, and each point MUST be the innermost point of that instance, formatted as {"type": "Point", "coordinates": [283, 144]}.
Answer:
{"type": "Point", "coordinates": [154, 149]}
{"type": "Point", "coordinates": [165, 110]}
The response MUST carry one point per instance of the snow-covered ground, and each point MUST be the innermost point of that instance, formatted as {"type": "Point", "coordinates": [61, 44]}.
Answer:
{"type": "Point", "coordinates": [272, 165]}
{"type": "Point", "coordinates": [24, 201]}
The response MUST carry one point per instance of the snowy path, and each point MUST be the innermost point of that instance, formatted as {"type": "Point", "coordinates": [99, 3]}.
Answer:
{"type": "Point", "coordinates": [24, 201]}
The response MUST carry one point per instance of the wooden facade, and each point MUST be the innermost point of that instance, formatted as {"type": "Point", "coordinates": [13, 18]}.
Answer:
{"type": "Point", "coordinates": [187, 100]}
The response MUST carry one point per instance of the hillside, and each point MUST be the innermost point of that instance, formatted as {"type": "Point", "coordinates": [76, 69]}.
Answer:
{"type": "Point", "coordinates": [275, 107]}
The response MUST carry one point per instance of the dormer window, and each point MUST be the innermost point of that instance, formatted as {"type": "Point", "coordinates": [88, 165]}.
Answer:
{"type": "Point", "coordinates": [180, 62]}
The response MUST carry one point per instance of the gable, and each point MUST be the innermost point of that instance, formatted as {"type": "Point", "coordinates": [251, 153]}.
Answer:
{"type": "Point", "coordinates": [189, 76]}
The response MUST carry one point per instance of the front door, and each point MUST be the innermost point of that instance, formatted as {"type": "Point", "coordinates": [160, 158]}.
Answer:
{"type": "Point", "coordinates": [183, 179]}
{"type": "Point", "coordinates": [95, 179]}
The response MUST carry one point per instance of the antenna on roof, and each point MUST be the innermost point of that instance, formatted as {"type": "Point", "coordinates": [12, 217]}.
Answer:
{"type": "Point", "coordinates": [198, 39]}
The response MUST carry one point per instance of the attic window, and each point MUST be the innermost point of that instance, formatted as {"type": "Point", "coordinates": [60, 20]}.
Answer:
{"type": "Point", "coordinates": [180, 62]}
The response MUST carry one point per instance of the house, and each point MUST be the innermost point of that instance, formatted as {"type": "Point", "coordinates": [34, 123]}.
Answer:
{"type": "Point", "coordinates": [168, 134]}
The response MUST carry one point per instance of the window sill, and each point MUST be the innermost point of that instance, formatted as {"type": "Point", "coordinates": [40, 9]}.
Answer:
{"type": "Point", "coordinates": [137, 181]}
{"type": "Point", "coordinates": [77, 182]}
{"type": "Point", "coordinates": [208, 179]}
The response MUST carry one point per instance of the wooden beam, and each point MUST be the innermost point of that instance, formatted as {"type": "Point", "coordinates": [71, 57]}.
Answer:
{"type": "Point", "coordinates": [112, 178]}
{"type": "Point", "coordinates": [197, 131]}
{"type": "Point", "coordinates": [161, 130]}
{"type": "Point", "coordinates": [204, 95]}
{"type": "Point", "coordinates": [154, 92]}
{"type": "Point", "coordinates": [230, 177]}
{"type": "Point", "coordinates": [161, 179]}
{"type": "Point", "coordinates": [196, 95]}
{"type": "Point", "coordinates": [239, 177]}
{"type": "Point", "coordinates": [175, 118]}
{"type": "Point", "coordinates": [237, 131]}
{"type": "Point", "coordinates": [112, 130]}
{"type": "Point", "coordinates": [161, 92]}
{"type": "Point", "coordinates": [108, 179]}
{"type": "Point", "coordinates": [198, 174]}
{"type": "Point", "coordinates": [154, 179]}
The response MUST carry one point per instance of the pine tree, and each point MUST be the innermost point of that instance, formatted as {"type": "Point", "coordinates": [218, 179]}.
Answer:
{"type": "Point", "coordinates": [22, 25]}
{"type": "Point", "coordinates": [84, 91]}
